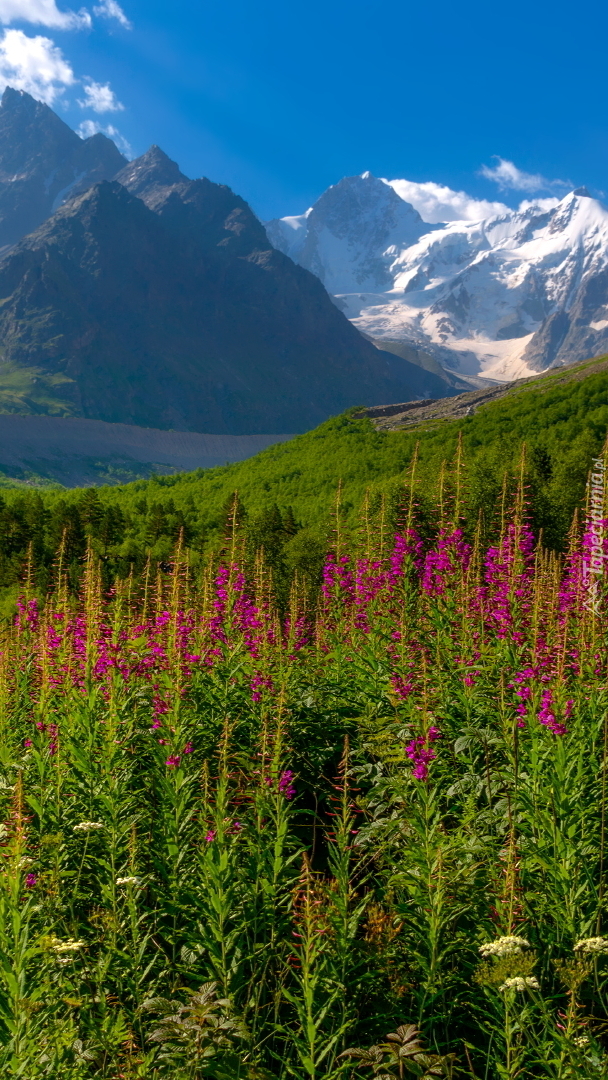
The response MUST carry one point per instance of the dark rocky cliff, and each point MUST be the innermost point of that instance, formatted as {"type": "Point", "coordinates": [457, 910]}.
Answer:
{"type": "Point", "coordinates": [43, 162]}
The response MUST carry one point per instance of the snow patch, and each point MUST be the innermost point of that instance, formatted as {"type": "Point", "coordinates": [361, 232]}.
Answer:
{"type": "Point", "coordinates": [63, 194]}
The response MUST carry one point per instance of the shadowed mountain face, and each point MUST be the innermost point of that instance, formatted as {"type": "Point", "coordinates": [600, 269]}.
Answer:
{"type": "Point", "coordinates": [158, 300]}
{"type": "Point", "coordinates": [43, 162]}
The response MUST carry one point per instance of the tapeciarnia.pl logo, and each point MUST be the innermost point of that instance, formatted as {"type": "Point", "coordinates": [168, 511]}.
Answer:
{"type": "Point", "coordinates": [594, 557]}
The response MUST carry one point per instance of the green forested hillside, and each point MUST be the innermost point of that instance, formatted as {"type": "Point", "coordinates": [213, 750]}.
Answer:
{"type": "Point", "coordinates": [286, 493]}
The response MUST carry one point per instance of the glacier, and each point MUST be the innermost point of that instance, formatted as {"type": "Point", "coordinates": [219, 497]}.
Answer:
{"type": "Point", "coordinates": [502, 297]}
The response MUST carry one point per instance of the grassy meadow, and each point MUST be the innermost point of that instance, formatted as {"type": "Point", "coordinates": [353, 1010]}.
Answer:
{"type": "Point", "coordinates": [338, 828]}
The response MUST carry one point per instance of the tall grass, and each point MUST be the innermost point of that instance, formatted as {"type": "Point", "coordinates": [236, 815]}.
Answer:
{"type": "Point", "coordinates": [238, 844]}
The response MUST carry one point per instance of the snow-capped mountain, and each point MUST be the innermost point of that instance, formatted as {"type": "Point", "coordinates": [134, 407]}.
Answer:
{"type": "Point", "coordinates": [350, 236]}
{"type": "Point", "coordinates": [504, 297]}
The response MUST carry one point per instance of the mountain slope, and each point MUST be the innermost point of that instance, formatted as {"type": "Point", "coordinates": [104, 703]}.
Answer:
{"type": "Point", "coordinates": [183, 316]}
{"type": "Point", "coordinates": [562, 417]}
{"type": "Point", "coordinates": [43, 162]}
{"type": "Point", "coordinates": [505, 297]}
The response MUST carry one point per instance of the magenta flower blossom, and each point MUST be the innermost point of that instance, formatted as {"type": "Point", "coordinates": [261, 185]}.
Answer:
{"type": "Point", "coordinates": [210, 837]}
{"type": "Point", "coordinates": [300, 632]}
{"type": "Point", "coordinates": [440, 563]}
{"type": "Point", "coordinates": [259, 683]}
{"type": "Point", "coordinates": [547, 717]}
{"type": "Point", "coordinates": [421, 753]}
{"type": "Point", "coordinates": [31, 881]}
{"type": "Point", "coordinates": [338, 579]}
{"type": "Point", "coordinates": [173, 761]}
{"type": "Point", "coordinates": [509, 569]}
{"type": "Point", "coordinates": [286, 786]}
{"type": "Point", "coordinates": [28, 615]}
{"type": "Point", "coordinates": [216, 625]}
{"type": "Point", "coordinates": [401, 687]}
{"type": "Point", "coordinates": [406, 545]}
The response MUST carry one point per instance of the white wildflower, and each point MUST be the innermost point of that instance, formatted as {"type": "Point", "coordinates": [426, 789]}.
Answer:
{"type": "Point", "coordinates": [67, 946]}
{"type": "Point", "coordinates": [24, 862]}
{"type": "Point", "coordinates": [503, 946]}
{"type": "Point", "coordinates": [520, 983]}
{"type": "Point", "coordinates": [128, 880]}
{"type": "Point", "coordinates": [581, 1040]}
{"type": "Point", "coordinates": [591, 945]}
{"type": "Point", "coordinates": [88, 826]}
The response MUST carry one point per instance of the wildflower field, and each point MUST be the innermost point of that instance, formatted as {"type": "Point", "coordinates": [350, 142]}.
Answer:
{"type": "Point", "coordinates": [361, 832]}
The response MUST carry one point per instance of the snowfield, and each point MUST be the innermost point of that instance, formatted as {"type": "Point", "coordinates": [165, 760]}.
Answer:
{"type": "Point", "coordinates": [503, 297]}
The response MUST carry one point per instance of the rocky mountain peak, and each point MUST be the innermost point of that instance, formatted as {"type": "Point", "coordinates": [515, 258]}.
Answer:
{"type": "Point", "coordinates": [32, 136]}
{"type": "Point", "coordinates": [154, 168]}
{"type": "Point", "coordinates": [345, 236]}
{"type": "Point", "coordinates": [43, 163]}
{"type": "Point", "coordinates": [15, 99]}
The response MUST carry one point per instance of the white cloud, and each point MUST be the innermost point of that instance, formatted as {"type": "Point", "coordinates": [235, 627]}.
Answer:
{"type": "Point", "coordinates": [43, 13]}
{"type": "Point", "coordinates": [33, 64]}
{"type": "Point", "coordinates": [109, 9]}
{"type": "Point", "coordinates": [436, 202]}
{"type": "Point", "coordinates": [539, 204]}
{"type": "Point", "coordinates": [100, 98]}
{"type": "Point", "coordinates": [93, 127]}
{"type": "Point", "coordinates": [510, 178]}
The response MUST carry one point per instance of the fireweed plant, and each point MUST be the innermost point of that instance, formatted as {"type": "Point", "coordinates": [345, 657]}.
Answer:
{"type": "Point", "coordinates": [239, 842]}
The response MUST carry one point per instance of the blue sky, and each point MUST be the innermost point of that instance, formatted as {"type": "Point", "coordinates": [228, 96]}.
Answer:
{"type": "Point", "coordinates": [281, 99]}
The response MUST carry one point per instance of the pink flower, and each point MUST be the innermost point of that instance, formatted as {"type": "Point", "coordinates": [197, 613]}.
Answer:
{"type": "Point", "coordinates": [450, 552]}
{"type": "Point", "coordinates": [259, 683]}
{"type": "Point", "coordinates": [400, 687]}
{"type": "Point", "coordinates": [405, 545]}
{"type": "Point", "coordinates": [547, 717]}
{"type": "Point", "coordinates": [210, 837]}
{"type": "Point", "coordinates": [421, 753]}
{"type": "Point", "coordinates": [286, 786]}
{"type": "Point", "coordinates": [173, 761]}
